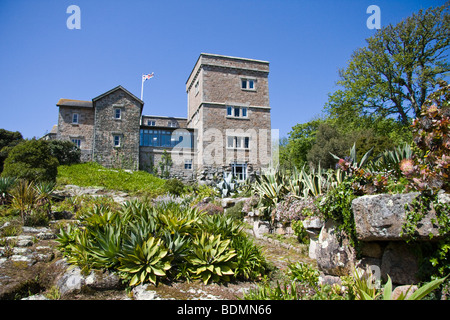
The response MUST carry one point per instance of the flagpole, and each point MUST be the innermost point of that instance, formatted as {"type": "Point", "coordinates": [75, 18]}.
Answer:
{"type": "Point", "coordinates": [142, 87]}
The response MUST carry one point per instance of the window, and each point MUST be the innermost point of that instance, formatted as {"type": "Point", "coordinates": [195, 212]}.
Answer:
{"type": "Point", "coordinates": [75, 118]}
{"type": "Point", "coordinates": [248, 84]}
{"type": "Point", "coordinates": [117, 140]}
{"type": "Point", "coordinates": [173, 124]}
{"type": "Point", "coordinates": [166, 138]}
{"type": "Point", "coordinates": [239, 171]}
{"type": "Point", "coordinates": [237, 112]}
{"type": "Point", "coordinates": [196, 88]}
{"type": "Point", "coordinates": [238, 142]}
{"type": "Point", "coordinates": [77, 142]}
{"type": "Point", "coordinates": [188, 164]}
{"type": "Point", "coordinates": [151, 123]}
{"type": "Point", "coordinates": [117, 113]}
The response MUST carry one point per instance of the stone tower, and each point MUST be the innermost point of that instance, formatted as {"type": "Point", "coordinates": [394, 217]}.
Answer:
{"type": "Point", "coordinates": [229, 109]}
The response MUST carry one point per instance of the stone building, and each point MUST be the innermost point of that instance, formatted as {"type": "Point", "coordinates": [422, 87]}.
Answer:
{"type": "Point", "coordinates": [227, 129]}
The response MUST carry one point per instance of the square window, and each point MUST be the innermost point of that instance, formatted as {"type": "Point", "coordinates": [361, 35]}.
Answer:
{"type": "Point", "coordinates": [117, 113]}
{"type": "Point", "coordinates": [75, 118]}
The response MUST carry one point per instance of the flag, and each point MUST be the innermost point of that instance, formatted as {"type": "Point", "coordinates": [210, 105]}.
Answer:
{"type": "Point", "coordinates": [147, 76]}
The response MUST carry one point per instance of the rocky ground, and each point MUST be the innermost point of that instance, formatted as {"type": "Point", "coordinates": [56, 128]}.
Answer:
{"type": "Point", "coordinates": [31, 267]}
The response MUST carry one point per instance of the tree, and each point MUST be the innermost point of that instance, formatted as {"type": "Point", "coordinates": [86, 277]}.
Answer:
{"type": "Point", "coordinates": [399, 67]}
{"type": "Point", "coordinates": [8, 139]}
{"type": "Point", "coordinates": [293, 152]}
{"type": "Point", "coordinates": [31, 160]}
{"type": "Point", "coordinates": [65, 151]}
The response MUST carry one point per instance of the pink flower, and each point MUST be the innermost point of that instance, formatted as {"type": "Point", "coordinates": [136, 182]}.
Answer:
{"type": "Point", "coordinates": [407, 166]}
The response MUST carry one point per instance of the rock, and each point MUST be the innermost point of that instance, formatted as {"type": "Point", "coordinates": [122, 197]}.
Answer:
{"type": "Point", "coordinates": [142, 292]}
{"type": "Point", "coordinates": [399, 263]}
{"type": "Point", "coordinates": [260, 228]}
{"type": "Point", "coordinates": [228, 202]}
{"type": "Point", "coordinates": [407, 291]}
{"type": "Point", "coordinates": [36, 297]}
{"type": "Point", "coordinates": [313, 223]}
{"type": "Point", "coordinates": [329, 280]}
{"type": "Point", "coordinates": [335, 256]}
{"type": "Point", "coordinates": [21, 241]}
{"type": "Point", "coordinates": [382, 216]}
{"type": "Point", "coordinates": [74, 281]}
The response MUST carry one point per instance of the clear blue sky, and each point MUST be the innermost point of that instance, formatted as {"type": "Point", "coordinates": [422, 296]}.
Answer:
{"type": "Point", "coordinates": [306, 42]}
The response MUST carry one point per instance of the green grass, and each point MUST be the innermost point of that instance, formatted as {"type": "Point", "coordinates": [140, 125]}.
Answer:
{"type": "Point", "coordinates": [92, 174]}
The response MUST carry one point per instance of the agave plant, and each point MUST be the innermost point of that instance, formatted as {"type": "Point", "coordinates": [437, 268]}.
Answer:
{"type": "Point", "coordinates": [145, 262]}
{"type": "Point", "coordinates": [353, 163]}
{"type": "Point", "coordinates": [271, 188]}
{"type": "Point", "coordinates": [211, 258]}
{"type": "Point", "coordinates": [228, 186]}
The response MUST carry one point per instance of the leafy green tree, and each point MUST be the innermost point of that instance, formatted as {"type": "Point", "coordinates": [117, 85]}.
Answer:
{"type": "Point", "coordinates": [31, 160]}
{"type": "Point", "coordinates": [65, 151]}
{"type": "Point", "coordinates": [399, 67]}
{"type": "Point", "coordinates": [8, 139]}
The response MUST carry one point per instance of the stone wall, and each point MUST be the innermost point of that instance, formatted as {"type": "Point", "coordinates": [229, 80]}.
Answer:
{"type": "Point", "coordinates": [127, 127]}
{"type": "Point", "coordinates": [84, 130]}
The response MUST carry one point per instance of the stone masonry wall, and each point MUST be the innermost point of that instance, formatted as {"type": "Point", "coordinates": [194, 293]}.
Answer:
{"type": "Point", "coordinates": [127, 155]}
{"type": "Point", "coordinates": [84, 130]}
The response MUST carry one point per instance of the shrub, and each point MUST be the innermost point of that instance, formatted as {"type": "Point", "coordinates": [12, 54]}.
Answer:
{"type": "Point", "coordinates": [174, 186]}
{"type": "Point", "coordinates": [31, 160]}
{"type": "Point", "coordinates": [65, 151]}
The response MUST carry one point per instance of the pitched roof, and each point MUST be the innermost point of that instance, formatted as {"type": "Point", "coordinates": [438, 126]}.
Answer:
{"type": "Point", "coordinates": [74, 103]}
{"type": "Point", "coordinates": [115, 89]}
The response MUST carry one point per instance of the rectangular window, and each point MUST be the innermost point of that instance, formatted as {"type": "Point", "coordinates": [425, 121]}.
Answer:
{"type": "Point", "coordinates": [196, 88]}
{"type": "Point", "coordinates": [188, 164]}
{"type": "Point", "coordinates": [246, 142]}
{"type": "Point", "coordinates": [238, 142]}
{"type": "Point", "coordinates": [75, 118]}
{"type": "Point", "coordinates": [172, 124]}
{"type": "Point", "coordinates": [239, 171]}
{"type": "Point", "coordinates": [248, 84]}
{"type": "Point", "coordinates": [237, 112]}
{"type": "Point", "coordinates": [151, 123]}
{"type": "Point", "coordinates": [117, 142]}
{"type": "Point", "coordinates": [77, 142]}
{"type": "Point", "coordinates": [117, 113]}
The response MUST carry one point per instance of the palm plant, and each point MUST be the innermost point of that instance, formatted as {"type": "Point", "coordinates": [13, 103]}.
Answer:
{"type": "Point", "coordinates": [23, 197]}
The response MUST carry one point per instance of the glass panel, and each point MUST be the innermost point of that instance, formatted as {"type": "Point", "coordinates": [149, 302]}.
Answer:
{"type": "Point", "coordinates": [229, 111]}
{"type": "Point", "coordinates": [244, 84]}
{"type": "Point", "coordinates": [246, 142]}
{"type": "Point", "coordinates": [230, 142]}
{"type": "Point", "coordinates": [250, 84]}
{"type": "Point", "coordinates": [236, 112]}
{"type": "Point", "coordinates": [244, 112]}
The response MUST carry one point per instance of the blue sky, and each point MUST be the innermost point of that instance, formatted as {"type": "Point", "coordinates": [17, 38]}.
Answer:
{"type": "Point", "coordinates": [306, 43]}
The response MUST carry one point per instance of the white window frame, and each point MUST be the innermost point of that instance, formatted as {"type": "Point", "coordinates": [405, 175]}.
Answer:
{"type": "Point", "coordinates": [188, 164]}
{"type": "Point", "coordinates": [238, 142]}
{"type": "Point", "coordinates": [77, 142]}
{"type": "Point", "coordinates": [151, 123]}
{"type": "Point", "coordinates": [245, 84]}
{"type": "Point", "coordinates": [241, 176]}
{"type": "Point", "coordinates": [117, 138]}
{"type": "Point", "coordinates": [120, 113]}
{"type": "Point", "coordinates": [75, 118]}
{"type": "Point", "coordinates": [237, 112]}
{"type": "Point", "coordinates": [172, 124]}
